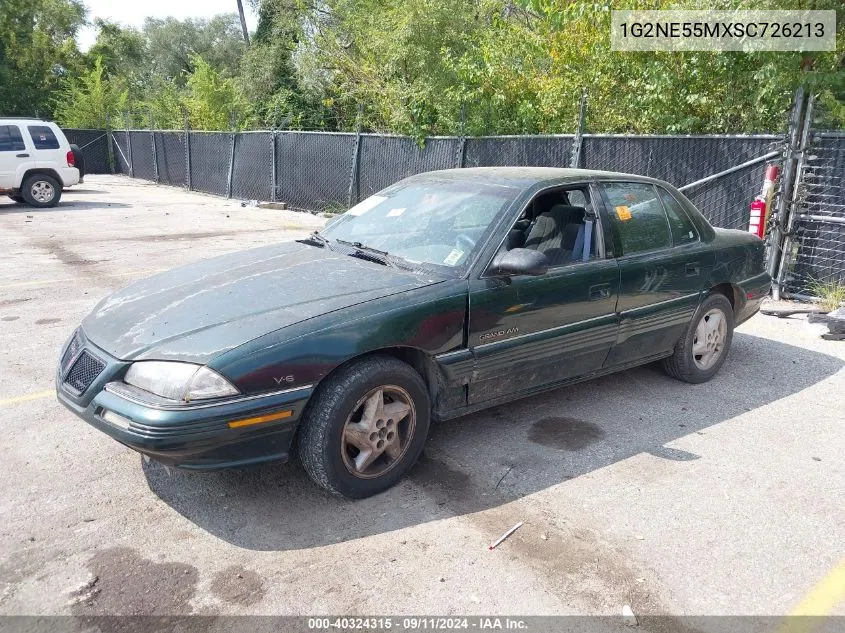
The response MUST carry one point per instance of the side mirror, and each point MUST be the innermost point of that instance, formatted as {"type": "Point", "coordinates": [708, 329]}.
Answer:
{"type": "Point", "coordinates": [522, 261]}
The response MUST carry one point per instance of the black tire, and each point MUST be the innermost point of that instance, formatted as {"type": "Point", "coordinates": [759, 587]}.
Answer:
{"type": "Point", "coordinates": [682, 364]}
{"type": "Point", "coordinates": [44, 182]}
{"type": "Point", "coordinates": [321, 436]}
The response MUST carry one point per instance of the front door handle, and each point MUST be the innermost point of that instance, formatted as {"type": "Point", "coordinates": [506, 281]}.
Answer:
{"type": "Point", "coordinates": [21, 155]}
{"type": "Point", "coordinates": [693, 269]}
{"type": "Point", "coordinates": [599, 292]}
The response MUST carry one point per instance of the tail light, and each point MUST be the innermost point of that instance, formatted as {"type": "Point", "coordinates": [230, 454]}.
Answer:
{"type": "Point", "coordinates": [71, 161]}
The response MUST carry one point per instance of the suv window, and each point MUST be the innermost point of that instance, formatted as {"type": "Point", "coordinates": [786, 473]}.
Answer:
{"type": "Point", "coordinates": [11, 139]}
{"type": "Point", "coordinates": [43, 137]}
{"type": "Point", "coordinates": [637, 217]}
{"type": "Point", "coordinates": [683, 230]}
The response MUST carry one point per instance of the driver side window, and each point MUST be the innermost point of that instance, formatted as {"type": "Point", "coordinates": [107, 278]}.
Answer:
{"type": "Point", "coordinates": [560, 224]}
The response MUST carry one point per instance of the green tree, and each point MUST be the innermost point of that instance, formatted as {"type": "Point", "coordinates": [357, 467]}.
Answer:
{"type": "Point", "coordinates": [91, 100]}
{"type": "Point", "coordinates": [37, 51]}
{"type": "Point", "coordinates": [213, 101]}
{"type": "Point", "coordinates": [172, 42]}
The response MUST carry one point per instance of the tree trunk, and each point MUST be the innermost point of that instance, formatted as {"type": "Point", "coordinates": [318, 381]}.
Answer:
{"type": "Point", "coordinates": [243, 21]}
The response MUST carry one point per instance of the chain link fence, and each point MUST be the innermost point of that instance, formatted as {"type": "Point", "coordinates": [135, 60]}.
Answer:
{"type": "Point", "coordinates": [329, 171]}
{"type": "Point", "coordinates": [813, 261]}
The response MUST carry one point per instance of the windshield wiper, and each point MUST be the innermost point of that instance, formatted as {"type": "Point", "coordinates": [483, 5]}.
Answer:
{"type": "Point", "coordinates": [367, 252]}
{"type": "Point", "coordinates": [315, 239]}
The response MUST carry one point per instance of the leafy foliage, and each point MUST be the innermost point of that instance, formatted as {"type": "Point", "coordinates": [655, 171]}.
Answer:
{"type": "Point", "coordinates": [91, 100]}
{"type": "Point", "coordinates": [418, 67]}
{"type": "Point", "coordinates": [36, 51]}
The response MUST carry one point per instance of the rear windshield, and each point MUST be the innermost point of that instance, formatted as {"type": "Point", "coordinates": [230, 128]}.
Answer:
{"type": "Point", "coordinates": [43, 137]}
{"type": "Point", "coordinates": [11, 139]}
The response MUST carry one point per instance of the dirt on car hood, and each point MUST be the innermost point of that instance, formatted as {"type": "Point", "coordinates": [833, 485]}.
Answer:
{"type": "Point", "coordinates": [201, 310]}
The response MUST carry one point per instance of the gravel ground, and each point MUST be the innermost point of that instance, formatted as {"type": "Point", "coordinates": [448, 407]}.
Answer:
{"type": "Point", "coordinates": [634, 489]}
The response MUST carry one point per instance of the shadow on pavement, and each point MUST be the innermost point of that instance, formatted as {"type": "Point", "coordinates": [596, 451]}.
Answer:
{"type": "Point", "coordinates": [490, 458]}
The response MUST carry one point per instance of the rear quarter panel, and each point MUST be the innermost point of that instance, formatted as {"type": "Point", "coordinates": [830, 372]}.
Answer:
{"type": "Point", "coordinates": [739, 260]}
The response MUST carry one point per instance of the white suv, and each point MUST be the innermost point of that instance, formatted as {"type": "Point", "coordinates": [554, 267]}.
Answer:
{"type": "Point", "coordinates": [36, 162]}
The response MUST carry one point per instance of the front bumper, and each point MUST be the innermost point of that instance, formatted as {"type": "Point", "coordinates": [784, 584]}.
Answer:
{"type": "Point", "coordinates": [195, 436]}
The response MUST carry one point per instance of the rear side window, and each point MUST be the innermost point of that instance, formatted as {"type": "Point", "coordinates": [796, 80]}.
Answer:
{"type": "Point", "coordinates": [637, 217]}
{"type": "Point", "coordinates": [43, 137]}
{"type": "Point", "coordinates": [11, 139]}
{"type": "Point", "coordinates": [683, 230]}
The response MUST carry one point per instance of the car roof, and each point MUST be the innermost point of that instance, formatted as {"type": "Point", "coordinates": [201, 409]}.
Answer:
{"type": "Point", "coordinates": [525, 177]}
{"type": "Point", "coordinates": [23, 118]}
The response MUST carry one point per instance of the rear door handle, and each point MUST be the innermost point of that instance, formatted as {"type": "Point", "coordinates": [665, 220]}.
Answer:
{"type": "Point", "coordinates": [21, 155]}
{"type": "Point", "coordinates": [599, 292]}
{"type": "Point", "coordinates": [693, 269]}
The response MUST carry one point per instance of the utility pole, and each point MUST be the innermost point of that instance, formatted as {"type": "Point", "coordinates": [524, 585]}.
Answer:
{"type": "Point", "coordinates": [243, 21]}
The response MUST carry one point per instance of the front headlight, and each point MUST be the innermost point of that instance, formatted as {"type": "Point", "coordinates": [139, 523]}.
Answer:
{"type": "Point", "coordinates": [178, 381]}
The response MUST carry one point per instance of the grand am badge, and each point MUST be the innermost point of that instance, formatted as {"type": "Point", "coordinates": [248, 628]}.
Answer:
{"type": "Point", "coordinates": [497, 334]}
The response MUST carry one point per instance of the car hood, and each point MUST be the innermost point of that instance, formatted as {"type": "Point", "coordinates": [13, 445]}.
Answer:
{"type": "Point", "coordinates": [199, 311]}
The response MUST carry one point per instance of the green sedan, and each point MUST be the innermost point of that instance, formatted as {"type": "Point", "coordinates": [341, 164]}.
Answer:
{"type": "Point", "coordinates": [446, 293]}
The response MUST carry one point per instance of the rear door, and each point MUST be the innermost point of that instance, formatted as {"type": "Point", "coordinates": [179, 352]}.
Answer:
{"type": "Point", "coordinates": [527, 332]}
{"type": "Point", "coordinates": [662, 268]}
{"type": "Point", "coordinates": [48, 153]}
{"type": "Point", "coordinates": [12, 153]}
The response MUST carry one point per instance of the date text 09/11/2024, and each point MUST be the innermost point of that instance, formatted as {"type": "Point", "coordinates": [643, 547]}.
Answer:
{"type": "Point", "coordinates": [416, 623]}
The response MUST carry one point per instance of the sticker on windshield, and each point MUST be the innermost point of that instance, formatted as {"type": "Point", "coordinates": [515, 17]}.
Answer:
{"type": "Point", "coordinates": [395, 212]}
{"type": "Point", "coordinates": [623, 213]}
{"type": "Point", "coordinates": [454, 257]}
{"type": "Point", "coordinates": [365, 205]}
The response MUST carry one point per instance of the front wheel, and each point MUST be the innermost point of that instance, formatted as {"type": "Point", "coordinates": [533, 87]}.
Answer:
{"type": "Point", "coordinates": [365, 427]}
{"type": "Point", "coordinates": [705, 344]}
{"type": "Point", "coordinates": [41, 191]}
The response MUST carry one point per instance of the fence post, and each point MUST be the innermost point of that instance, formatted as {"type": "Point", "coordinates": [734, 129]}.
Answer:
{"type": "Point", "coordinates": [231, 168]}
{"type": "Point", "coordinates": [579, 131]}
{"type": "Point", "coordinates": [354, 186]}
{"type": "Point", "coordinates": [460, 157]}
{"type": "Point", "coordinates": [187, 150]}
{"type": "Point", "coordinates": [129, 150]}
{"type": "Point", "coordinates": [273, 177]}
{"type": "Point", "coordinates": [777, 286]}
{"type": "Point", "coordinates": [155, 153]}
{"type": "Point", "coordinates": [786, 190]}
{"type": "Point", "coordinates": [109, 147]}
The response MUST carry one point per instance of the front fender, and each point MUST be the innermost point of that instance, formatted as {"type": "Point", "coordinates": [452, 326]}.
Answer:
{"type": "Point", "coordinates": [429, 319]}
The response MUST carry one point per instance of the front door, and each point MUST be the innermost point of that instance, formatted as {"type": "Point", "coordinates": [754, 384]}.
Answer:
{"type": "Point", "coordinates": [527, 332]}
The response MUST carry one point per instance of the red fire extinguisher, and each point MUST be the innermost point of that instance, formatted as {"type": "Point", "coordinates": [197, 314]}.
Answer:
{"type": "Point", "coordinates": [761, 204]}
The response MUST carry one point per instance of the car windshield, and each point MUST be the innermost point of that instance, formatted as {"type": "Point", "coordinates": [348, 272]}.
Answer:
{"type": "Point", "coordinates": [431, 222]}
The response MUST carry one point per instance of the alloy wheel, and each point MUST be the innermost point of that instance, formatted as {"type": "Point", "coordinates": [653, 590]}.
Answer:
{"type": "Point", "coordinates": [42, 191]}
{"type": "Point", "coordinates": [378, 431]}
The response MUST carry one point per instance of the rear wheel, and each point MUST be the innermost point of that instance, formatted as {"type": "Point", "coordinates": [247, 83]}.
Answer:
{"type": "Point", "coordinates": [41, 191]}
{"type": "Point", "coordinates": [365, 427]}
{"type": "Point", "coordinates": [705, 344]}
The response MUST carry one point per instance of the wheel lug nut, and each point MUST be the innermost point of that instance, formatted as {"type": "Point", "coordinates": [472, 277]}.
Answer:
{"type": "Point", "coordinates": [390, 436]}
{"type": "Point", "coordinates": [380, 444]}
{"type": "Point", "coordinates": [373, 437]}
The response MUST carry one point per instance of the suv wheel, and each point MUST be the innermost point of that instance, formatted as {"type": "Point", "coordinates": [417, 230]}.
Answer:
{"type": "Point", "coordinates": [365, 427]}
{"type": "Point", "coordinates": [41, 191]}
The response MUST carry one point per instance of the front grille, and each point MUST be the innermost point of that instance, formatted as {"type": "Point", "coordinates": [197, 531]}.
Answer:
{"type": "Point", "coordinates": [84, 371]}
{"type": "Point", "coordinates": [70, 352]}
